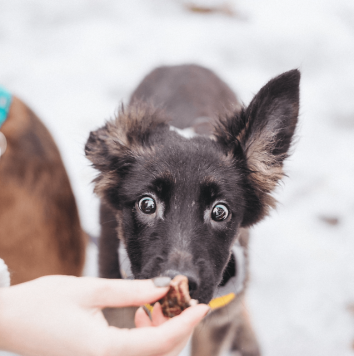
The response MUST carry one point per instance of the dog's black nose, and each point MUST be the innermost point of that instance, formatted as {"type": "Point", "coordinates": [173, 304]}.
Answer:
{"type": "Point", "coordinates": [192, 280]}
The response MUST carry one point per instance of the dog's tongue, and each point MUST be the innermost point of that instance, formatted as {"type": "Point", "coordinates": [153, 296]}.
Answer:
{"type": "Point", "coordinates": [177, 298]}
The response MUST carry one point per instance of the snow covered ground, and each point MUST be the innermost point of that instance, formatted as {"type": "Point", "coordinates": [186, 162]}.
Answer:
{"type": "Point", "coordinates": [74, 61]}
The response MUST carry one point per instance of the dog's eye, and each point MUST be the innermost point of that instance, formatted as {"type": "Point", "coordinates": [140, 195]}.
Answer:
{"type": "Point", "coordinates": [220, 212]}
{"type": "Point", "coordinates": [147, 205]}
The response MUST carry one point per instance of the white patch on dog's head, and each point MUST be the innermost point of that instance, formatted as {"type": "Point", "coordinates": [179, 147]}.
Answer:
{"type": "Point", "coordinates": [186, 133]}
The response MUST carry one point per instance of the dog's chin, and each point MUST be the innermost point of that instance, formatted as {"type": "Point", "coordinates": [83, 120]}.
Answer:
{"type": "Point", "coordinates": [204, 295]}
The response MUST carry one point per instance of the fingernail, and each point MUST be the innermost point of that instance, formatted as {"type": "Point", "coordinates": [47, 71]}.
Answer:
{"type": "Point", "coordinates": [147, 311]}
{"type": "Point", "coordinates": [193, 302]}
{"type": "Point", "coordinates": [161, 281]}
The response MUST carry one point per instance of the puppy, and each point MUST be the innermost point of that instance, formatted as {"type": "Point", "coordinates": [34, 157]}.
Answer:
{"type": "Point", "coordinates": [184, 171]}
{"type": "Point", "coordinates": [40, 230]}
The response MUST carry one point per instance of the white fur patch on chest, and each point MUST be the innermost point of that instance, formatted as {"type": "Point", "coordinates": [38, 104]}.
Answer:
{"type": "Point", "coordinates": [124, 262]}
{"type": "Point", "coordinates": [236, 283]}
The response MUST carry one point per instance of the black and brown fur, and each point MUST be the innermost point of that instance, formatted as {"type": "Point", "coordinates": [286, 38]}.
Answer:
{"type": "Point", "coordinates": [237, 162]}
{"type": "Point", "coordinates": [40, 232]}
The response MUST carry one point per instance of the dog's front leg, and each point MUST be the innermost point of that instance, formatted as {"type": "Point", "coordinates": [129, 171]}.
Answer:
{"type": "Point", "coordinates": [244, 341]}
{"type": "Point", "coordinates": [210, 339]}
{"type": "Point", "coordinates": [213, 336]}
{"type": "Point", "coordinates": [109, 267]}
{"type": "Point", "coordinates": [108, 244]}
{"type": "Point", "coordinates": [227, 329]}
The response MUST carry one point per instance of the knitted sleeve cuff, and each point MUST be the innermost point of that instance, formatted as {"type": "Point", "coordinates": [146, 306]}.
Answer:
{"type": "Point", "coordinates": [4, 275]}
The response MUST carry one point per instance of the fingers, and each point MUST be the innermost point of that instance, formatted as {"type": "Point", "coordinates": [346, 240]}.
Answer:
{"type": "Point", "coordinates": [189, 318]}
{"type": "Point", "coordinates": [99, 292]}
{"type": "Point", "coordinates": [142, 320]}
{"type": "Point", "coordinates": [157, 316]}
{"type": "Point", "coordinates": [171, 335]}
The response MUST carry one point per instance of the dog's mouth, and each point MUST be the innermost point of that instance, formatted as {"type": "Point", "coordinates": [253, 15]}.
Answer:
{"type": "Point", "coordinates": [202, 283]}
{"type": "Point", "coordinates": [197, 287]}
{"type": "Point", "coordinates": [193, 281]}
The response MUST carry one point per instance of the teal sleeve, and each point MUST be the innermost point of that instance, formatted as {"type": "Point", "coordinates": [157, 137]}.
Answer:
{"type": "Point", "coordinates": [5, 102]}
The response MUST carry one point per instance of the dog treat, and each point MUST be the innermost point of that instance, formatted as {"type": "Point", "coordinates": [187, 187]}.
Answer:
{"type": "Point", "coordinates": [177, 298]}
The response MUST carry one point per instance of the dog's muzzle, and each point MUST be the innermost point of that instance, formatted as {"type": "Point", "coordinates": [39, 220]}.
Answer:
{"type": "Point", "coordinates": [222, 296]}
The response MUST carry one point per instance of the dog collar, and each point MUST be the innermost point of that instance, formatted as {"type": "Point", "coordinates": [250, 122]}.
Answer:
{"type": "Point", "coordinates": [222, 296]}
{"type": "Point", "coordinates": [5, 102]}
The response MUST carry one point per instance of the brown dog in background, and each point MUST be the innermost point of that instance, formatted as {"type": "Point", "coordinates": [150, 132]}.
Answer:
{"type": "Point", "coordinates": [40, 232]}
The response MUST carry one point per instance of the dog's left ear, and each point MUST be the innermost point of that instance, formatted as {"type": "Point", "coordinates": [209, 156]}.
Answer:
{"type": "Point", "coordinates": [260, 136]}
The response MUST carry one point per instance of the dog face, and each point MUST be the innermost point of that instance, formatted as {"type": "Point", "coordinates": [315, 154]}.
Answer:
{"type": "Point", "coordinates": [180, 202]}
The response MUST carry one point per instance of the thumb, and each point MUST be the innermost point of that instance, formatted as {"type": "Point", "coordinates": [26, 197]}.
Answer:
{"type": "Point", "coordinates": [100, 292]}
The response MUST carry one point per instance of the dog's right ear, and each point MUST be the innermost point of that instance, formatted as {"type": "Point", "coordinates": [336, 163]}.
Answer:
{"type": "Point", "coordinates": [97, 149]}
{"type": "Point", "coordinates": [260, 137]}
{"type": "Point", "coordinates": [106, 146]}
{"type": "Point", "coordinates": [110, 156]}
{"type": "Point", "coordinates": [113, 148]}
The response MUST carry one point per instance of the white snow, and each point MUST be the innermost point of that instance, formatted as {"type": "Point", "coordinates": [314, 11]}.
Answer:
{"type": "Point", "coordinates": [74, 61]}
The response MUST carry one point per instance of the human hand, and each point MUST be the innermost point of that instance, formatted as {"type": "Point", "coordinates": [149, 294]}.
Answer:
{"type": "Point", "coordinates": [61, 316]}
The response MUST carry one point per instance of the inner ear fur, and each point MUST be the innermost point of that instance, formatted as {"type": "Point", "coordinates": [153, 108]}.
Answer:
{"type": "Point", "coordinates": [261, 135]}
{"type": "Point", "coordinates": [113, 148]}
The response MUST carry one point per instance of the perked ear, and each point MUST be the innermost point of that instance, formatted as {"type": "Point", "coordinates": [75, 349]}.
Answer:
{"type": "Point", "coordinates": [261, 136]}
{"type": "Point", "coordinates": [113, 148]}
